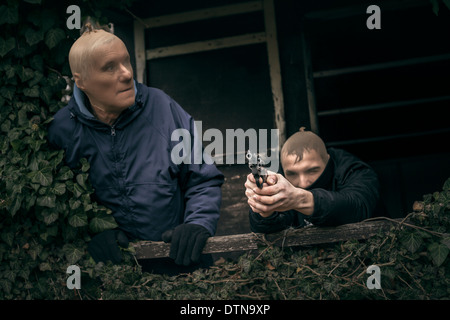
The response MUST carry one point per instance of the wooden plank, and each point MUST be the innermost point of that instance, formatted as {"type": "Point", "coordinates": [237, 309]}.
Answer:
{"type": "Point", "coordinates": [309, 80]}
{"type": "Point", "coordinates": [389, 137]}
{"type": "Point", "coordinates": [353, 10]}
{"type": "Point", "coordinates": [382, 65]}
{"type": "Point", "coordinates": [274, 68]}
{"type": "Point", "coordinates": [201, 46]}
{"type": "Point", "coordinates": [288, 238]}
{"type": "Point", "coordinates": [378, 106]}
{"type": "Point", "coordinates": [202, 14]}
{"type": "Point", "coordinates": [139, 48]}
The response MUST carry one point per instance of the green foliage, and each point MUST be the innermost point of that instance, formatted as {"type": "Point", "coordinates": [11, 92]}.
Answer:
{"type": "Point", "coordinates": [46, 212]}
{"type": "Point", "coordinates": [412, 256]}
{"type": "Point", "coordinates": [435, 5]}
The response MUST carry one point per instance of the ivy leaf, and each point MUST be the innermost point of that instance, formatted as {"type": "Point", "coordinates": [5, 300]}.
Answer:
{"type": "Point", "coordinates": [46, 201]}
{"type": "Point", "coordinates": [25, 74]}
{"type": "Point", "coordinates": [65, 174]}
{"type": "Point", "coordinates": [50, 216]}
{"type": "Point", "coordinates": [446, 240]}
{"type": "Point", "coordinates": [6, 285]}
{"type": "Point", "coordinates": [7, 92]}
{"type": "Point", "coordinates": [6, 45]}
{"type": "Point", "coordinates": [32, 92]}
{"type": "Point", "coordinates": [9, 71]}
{"type": "Point", "coordinates": [412, 241]}
{"type": "Point", "coordinates": [10, 275]}
{"type": "Point", "coordinates": [78, 220]}
{"type": "Point", "coordinates": [17, 204]}
{"type": "Point", "coordinates": [9, 14]}
{"type": "Point", "coordinates": [34, 251]}
{"type": "Point", "coordinates": [43, 176]}
{"type": "Point", "coordinates": [33, 37]}
{"type": "Point", "coordinates": [447, 3]}
{"type": "Point", "coordinates": [438, 252]}
{"type": "Point", "coordinates": [45, 266]}
{"type": "Point", "coordinates": [81, 180]}
{"type": "Point", "coordinates": [59, 189]}
{"type": "Point", "coordinates": [446, 186]}
{"type": "Point", "coordinates": [54, 36]}
{"type": "Point", "coordinates": [435, 6]}
{"type": "Point", "coordinates": [102, 222]}
{"type": "Point", "coordinates": [72, 253]}
{"type": "Point", "coordinates": [46, 94]}
{"type": "Point", "coordinates": [8, 238]}
{"type": "Point", "coordinates": [77, 190]}
{"type": "Point", "coordinates": [84, 165]}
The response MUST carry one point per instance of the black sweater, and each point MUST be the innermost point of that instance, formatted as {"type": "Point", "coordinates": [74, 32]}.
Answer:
{"type": "Point", "coordinates": [346, 192]}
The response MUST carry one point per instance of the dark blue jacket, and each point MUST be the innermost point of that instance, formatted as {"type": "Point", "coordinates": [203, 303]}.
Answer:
{"type": "Point", "coordinates": [131, 167]}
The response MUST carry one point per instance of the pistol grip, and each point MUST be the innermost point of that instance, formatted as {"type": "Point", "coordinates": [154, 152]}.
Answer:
{"type": "Point", "coordinates": [258, 183]}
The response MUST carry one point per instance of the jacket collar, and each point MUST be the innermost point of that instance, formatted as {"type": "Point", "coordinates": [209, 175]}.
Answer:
{"type": "Point", "coordinates": [80, 98]}
{"type": "Point", "coordinates": [79, 109]}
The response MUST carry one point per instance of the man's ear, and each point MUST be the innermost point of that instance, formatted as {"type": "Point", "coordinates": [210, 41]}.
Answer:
{"type": "Point", "coordinates": [78, 81]}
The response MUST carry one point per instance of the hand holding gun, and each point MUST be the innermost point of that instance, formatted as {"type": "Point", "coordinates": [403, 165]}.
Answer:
{"type": "Point", "coordinates": [257, 165]}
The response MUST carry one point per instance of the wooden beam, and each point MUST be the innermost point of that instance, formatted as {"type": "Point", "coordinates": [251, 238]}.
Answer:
{"type": "Point", "coordinates": [202, 46]}
{"type": "Point", "coordinates": [309, 80]}
{"type": "Point", "coordinates": [382, 65]}
{"type": "Point", "coordinates": [274, 68]}
{"type": "Point", "coordinates": [378, 106]}
{"type": "Point", "coordinates": [139, 47]}
{"type": "Point", "coordinates": [202, 14]}
{"type": "Point", "coordinates": [353, 10]}
{"type": "Point", "coordinates": [386, 138]}
{"type": "Point", "coordinates": [288, 238]}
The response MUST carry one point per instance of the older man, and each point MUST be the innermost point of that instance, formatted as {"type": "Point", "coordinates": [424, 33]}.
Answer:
{"type": "Point", "coordinates": [124, 129]}
{"type": "Point", "coordinates": [319, 186]}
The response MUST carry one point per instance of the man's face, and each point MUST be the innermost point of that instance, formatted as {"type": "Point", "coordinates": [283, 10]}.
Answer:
{"type": "Point", "coordinates": [109, 84]}
{"type": "Point", "coordinates": [303, 173]}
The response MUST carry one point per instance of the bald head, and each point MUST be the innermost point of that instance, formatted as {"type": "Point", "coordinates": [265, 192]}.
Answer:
{"type": "Point", "coordinates": [304, 158]}
{"type": "Point", "coordinates": [101, 68]}
{"type": "Point", "coordinates": [80, 55]}
{"type": "Point", "coordinates": [302, 141]}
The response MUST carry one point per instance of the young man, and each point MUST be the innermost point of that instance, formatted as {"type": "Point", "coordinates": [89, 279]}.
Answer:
{"type": "Point", "coordinates": [124, 129]}
{"type": "Point", "coordinates": [324, 187]}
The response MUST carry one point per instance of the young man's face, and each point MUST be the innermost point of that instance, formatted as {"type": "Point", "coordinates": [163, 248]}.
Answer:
{"type": "Point", "coordinates": [109, 84]}
{"type": "Point", "coordinates": [303, 173]}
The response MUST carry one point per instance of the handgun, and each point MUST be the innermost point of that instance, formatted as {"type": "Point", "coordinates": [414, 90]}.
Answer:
{"type": "Point", "coordinates": [257, 165]}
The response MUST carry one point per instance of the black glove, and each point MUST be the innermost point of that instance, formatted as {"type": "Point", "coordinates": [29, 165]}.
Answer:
{"type": "Point", "coordinates": [105, 246]}
{"type": "Point", "coordinates": [187, 243]}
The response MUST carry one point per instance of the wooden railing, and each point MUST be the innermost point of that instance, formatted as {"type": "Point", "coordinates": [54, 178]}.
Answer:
{"type": "Point", "coordinates": [288, 238]}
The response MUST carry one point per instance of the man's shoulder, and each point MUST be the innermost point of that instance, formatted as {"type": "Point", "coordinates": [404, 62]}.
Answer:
{"type": "Point", "coordinates": [151, 94]}
{"type": "Point", "coordinates": [345, 161]}
{"type": "Point", "coordinates": [343, 157]}
{"type": "Point", "coordinates": [159, 105]}
{"type": "Point", "coordinates": [62, 124]}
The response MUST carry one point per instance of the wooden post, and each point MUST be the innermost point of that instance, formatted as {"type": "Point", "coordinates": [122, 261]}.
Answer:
{"type": "Point", "coordinates": [139, 47]}
{"type": "Point", "coordinates": [274, 68]}
{"type": "Point", "coordinates": [309, 80]}
{"type": "Point", "coordinates": [287, 238]}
